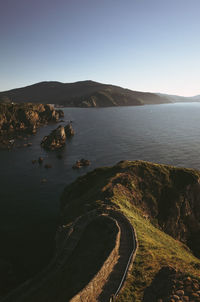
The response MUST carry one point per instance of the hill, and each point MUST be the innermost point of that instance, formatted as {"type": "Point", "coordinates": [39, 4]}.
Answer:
{"type": "Point", "coordinates": [81, 94]}
{"type": "Point", "coordinates": [161, 204]}
{"type": "Point", "coordinates": [180, 99]}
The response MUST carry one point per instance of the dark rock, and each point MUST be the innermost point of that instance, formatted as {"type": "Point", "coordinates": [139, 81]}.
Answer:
{"type": "Point", "coordinates": [161, 286]}
{"type": "Point", "coordinates": [85, 162]}
{"type": "Point", "coordinates": [81, 163]}
{"type": "Point", "coordinates": [44, 180]}
{"type": "Point", "coordinates": [48, 166]}
{"type": "Point", "coordinates": [185, 299]}
{"type": "Point", "coordinates": [55, 140]}
{"type": "Point", "coordinates": [40, 160]}
{"type": "Point", "coordinates": [69, 130]}
{"type": "Point", "coordinates": [180, 293]}
{"type": "Point", "coordinates": [17, 120]}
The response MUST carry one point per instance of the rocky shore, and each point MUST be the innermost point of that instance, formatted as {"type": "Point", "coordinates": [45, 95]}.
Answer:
{"type": "Point", "coordinates": [19, 120]}
{"type": "Point", "coordinates": [170, 285]}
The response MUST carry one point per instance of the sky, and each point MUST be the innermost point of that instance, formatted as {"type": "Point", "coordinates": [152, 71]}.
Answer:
{"type": "Point", "coordinates": [144, 45]}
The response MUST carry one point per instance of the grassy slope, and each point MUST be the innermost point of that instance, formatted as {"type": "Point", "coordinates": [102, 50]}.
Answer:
{"type": "Point", "coordinates": [155, 250]}
{"type": "Point", "coordinates": [118, 187]}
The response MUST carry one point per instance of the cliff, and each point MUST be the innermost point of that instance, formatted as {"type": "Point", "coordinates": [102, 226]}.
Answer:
{"type": "Point", "coordinates": [169, 197]}
{"type": "Point", "coordinates": [22, 119]}
{"type": "Point", "coordinates": [162, 203]}
{"type": "Point", "coordinates": [101, 213]}
{"type": "Point", "coordinates": [81, 94]}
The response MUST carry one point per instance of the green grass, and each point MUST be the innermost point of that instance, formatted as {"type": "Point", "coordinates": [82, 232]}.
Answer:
{"type": "Point", "coordinates": [136, 189]}
{"type": "Point", "coordinates": [156, 249]}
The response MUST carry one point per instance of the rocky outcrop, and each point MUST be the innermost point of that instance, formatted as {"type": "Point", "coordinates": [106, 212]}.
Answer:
{"type": "Point", "coordinates": [69, 131]}
{"type": "Point", "coordinates": [81, 163]}
{"type": "Point", "coordinates": [17, 120]}
{"type": "Point", "coordinates": [167, 196]}
{"type": "Point", "coordinates": [57, 138]}
{"type": "Point", "coordinates": [170, 285]}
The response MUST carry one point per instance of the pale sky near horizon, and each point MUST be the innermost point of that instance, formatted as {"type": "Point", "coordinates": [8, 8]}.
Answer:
{"type": "Point", "coordinates": [144, 45]}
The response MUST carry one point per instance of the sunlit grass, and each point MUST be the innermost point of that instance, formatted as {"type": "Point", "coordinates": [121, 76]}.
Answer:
{"type": "Point", "coordinates": [156, 249]}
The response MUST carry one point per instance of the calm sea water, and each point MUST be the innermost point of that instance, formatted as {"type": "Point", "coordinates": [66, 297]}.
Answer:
{"type": "Point", "coordinates": [29, 209]}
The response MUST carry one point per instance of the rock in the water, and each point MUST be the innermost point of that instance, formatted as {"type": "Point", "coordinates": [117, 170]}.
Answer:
{"type": "Point", "coordinates": [17, 120]}
{"type": "Point", "coordinates": [44, 180]}
{"type": "Point", "coordinates": [48, 166]}
{"type": "Point", "coordinates": [69, 130]}
{"type": "Point", "coordinates": [81, 163]}
{"type": "Point", "coordinates": [40, 160]}
{"type": "Point", "coordinates": [57, 138]}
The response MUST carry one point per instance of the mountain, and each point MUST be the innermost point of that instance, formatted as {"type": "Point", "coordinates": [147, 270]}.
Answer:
{"type": "Point", "coordinates": [81, 94]}
{"type": "Point", "coordinates": [180, 99]}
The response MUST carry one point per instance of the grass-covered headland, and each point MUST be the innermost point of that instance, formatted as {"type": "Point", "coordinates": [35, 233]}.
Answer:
{"type": "Point", "coordinates": [162, 204]}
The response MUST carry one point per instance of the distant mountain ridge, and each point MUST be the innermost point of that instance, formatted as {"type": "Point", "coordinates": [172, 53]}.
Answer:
{"type": "Point", "coordinates": [81, 94]}
{"type": "Point", "coordinates": [180, 99]}
{"type": "Point", "coordinates": [86, 94]}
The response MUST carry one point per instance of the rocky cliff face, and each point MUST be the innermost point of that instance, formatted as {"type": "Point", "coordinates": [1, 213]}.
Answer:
{"type": "Point", "coordinates": [19, 119]}
{"type": "Point", "coordinates": [170, 285]}
{"type": "Point", "coordinates": [169, 197]}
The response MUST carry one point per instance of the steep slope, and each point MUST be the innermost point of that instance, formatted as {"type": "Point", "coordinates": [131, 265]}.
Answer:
{"type": "Point", "coordinates": [155, 200]}
{"type": "Point", "coordinates": [81, 94]}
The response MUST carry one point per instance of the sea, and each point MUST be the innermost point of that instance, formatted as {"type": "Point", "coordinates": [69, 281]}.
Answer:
{"type": "Point", "coordinates": [168, 134]}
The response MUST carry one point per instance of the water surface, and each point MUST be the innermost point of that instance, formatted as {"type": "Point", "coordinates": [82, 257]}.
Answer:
{"type": "Point", "coordinates": [167, 134]}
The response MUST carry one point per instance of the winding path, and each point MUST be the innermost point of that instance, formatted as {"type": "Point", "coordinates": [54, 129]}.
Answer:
{"type": "Point", "coordinates": [107, 282]}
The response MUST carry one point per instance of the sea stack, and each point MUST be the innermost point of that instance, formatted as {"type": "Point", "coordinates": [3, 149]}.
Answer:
{"type": "Point", "coordinates": [57, 138]}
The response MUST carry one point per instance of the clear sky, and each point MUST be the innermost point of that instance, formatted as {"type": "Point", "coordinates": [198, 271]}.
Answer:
{"type": "Point", "coordinates": [145, 45]}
